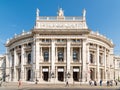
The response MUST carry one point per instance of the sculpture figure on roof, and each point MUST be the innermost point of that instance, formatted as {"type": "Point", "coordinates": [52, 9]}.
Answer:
{"type": "Point", "coordinates": [37, 12]}
{"type": "Point", "coordinates": [60, 12]}
{"type": "Point", "coordinates": [84, 12]}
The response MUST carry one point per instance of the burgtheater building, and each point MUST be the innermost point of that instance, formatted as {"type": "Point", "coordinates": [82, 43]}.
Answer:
{"type": "Point", "coordinates": [60, 49]}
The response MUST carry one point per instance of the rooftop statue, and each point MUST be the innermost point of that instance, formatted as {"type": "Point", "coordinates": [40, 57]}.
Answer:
{"type": "Point", "coordinates": [37, 12]}
{"type": "Point", "coordinates": [60, 12]}
{"type": "Point", "coordinates": [84, 12]}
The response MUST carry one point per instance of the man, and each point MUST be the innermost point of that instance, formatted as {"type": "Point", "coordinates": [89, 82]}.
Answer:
{"type": "Point", "coordinates": [100, 82]}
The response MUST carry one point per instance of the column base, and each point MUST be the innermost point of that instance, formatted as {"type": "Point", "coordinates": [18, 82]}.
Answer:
{"type": "Point", "coordinates": [70, 80]}
{"type": "Point", "coordinates": [52, 80]}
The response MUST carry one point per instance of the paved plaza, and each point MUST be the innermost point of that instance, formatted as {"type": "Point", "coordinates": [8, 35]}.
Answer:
{"type": "Point", "coordinates": [14, 86]}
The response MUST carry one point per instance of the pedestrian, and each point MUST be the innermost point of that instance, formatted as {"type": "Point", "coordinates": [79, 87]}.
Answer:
{"type": "Point", "coordinates": [67, 84]}
{"type": "Point", "coordinates": [36, 81]}
{"type": "Point", "coordinates": [19, 83]}
{"type": "Point", "coordinates": [95, 83]}
{"type": "Point", "coordinates": [111, 83]}
{"type": "Point", "coordinates": [116, 82]}
{"type": "Point", "coordinates": [108, 83]}
{"type": "Point", "coordinates": [100, 82]}
{"type": "Point", "coordinates": [90, 82]}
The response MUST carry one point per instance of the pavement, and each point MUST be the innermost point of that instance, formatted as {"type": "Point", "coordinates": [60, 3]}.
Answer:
{"type": "Point", "coordinates": [31, 86]}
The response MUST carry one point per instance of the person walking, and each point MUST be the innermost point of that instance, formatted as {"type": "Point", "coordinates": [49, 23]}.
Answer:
{"type": "Point", "coordinates": [115, 82]}
{"type": "Point", "coordinates": [95, 83]}
{"type": "Point", "coordinates": [90, 82]}
{"type": "Point", "coordinates": [19, 83]}
{"type": "Point", "coordinates": [67, 84]}
{"type": "Point", "coordinates": [100, 82]}
{"type": "Point", "coordinates": [108, 83]}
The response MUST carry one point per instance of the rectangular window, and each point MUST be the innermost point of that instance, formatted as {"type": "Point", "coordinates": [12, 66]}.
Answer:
{"type": "Point", "coordinates": [60, 56]}
{"type": "Point", "coordinates": [46, 56]}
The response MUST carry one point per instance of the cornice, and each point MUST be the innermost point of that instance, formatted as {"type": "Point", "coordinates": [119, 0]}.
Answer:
{"type": "Point", "coordinates": [18, 39]}
{"type": "Point", "coordinates": [100, 38]}
{"type": "Point", "coordinates": [60, 31]}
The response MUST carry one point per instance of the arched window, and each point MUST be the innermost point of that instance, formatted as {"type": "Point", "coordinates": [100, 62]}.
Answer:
{"type": "Point", "coordinates": [29, 58]}
{"type": "Point", "coordinates": [12, 60]}
{"type": "Point", "coordinates": [100, 59]}
{"type": "Point", "coordinates": [46, 56]}
{"type": "Point", "coordinates": [19, 59]}
{"type": "Point", "coordinates": [60, 56]}
{"type": "Point", "coordinates": [91, 58]}
{"type": "Point", "coordinates": [75, 56]}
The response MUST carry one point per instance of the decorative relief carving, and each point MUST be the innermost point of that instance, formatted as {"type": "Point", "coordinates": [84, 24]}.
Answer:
{"type": "Point", "coordinates": [61, 25]}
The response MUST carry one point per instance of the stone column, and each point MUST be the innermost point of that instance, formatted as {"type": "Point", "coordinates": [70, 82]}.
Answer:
{"type": "Point", "coordinates": [41, 55]}
{"type": "Point", "coordinates": [56, 57]}
{"type": "Point", "coordinates": [7, 71]}
{"type": "Point", "coordinates": [84, 61]}
{"type": "Point", "coordinates": [88, 61]}
{"type": "Point", "coordinates": [15, 58]}
{"type": "Point", "coordinates": [95, 73]}
{"type": "Point", "coordinates": [37, 59]}
{"type": "Point", "coordinates": [41, 73]}
{"type": "Point", "coordinates": [65, 54]}
{"type": "Point", "coordinates": [10, 64]}
{"type": "Point", "coordinates": [22, 63]}
{"type": "Point", "coordinates": [33, 61]}
{"type": "Point", "coordinates": [49, 55]}
{"type": "Point", "coordinates": [53, 58]}
{"type": "Point", "coordinates": [105, 74]}
{"type": "Point", "coordinates": [71, 54]}
{"type": "Point", "coordinates": [68, 56]}
{"type": "Point", "coordinates": [56, 74]}
{"type": "Point", "coordinates": [80, 55]}
{"type": "Point", "coordinates": [98, 73]}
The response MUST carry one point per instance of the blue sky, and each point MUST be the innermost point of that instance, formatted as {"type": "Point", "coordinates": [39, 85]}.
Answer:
{"type": "Point", "coordinates": [102, 16]}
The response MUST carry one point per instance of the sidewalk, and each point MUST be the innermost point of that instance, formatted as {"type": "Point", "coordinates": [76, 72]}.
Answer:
{"type": "Point", "coordinates": [33, 86]}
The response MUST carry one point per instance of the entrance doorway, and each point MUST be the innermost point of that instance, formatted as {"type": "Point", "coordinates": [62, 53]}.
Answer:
{"type": "Point", "coordinates": [76, 76]}
{"type": "Point", "coordinates": [28, 75]}
{"type": "Point", "coordinates": [19, 74]}
{"type": "Point", "coordinates": [92, 74]}
{"type": "Point", "coordinates": [45, 76]}
{"type": "Point", "coordinates": [60, 76]}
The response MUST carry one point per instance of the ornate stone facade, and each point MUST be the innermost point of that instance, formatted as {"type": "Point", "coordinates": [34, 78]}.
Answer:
{"type": "Point", "coordinates": [58, 49]}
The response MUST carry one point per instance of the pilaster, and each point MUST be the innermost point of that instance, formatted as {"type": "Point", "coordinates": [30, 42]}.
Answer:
{"type": "Point", "coordinates": [53, 56]}
{"type": "Point", "coordinates": [84, 76]}
{"type": "Point", "coordinates": [98, 72]}
{"type": "Point", "coordinates": [105, 74]}
{"type": "Point", "coordinates": [37, 58]}
{"type": "Point", "coordinates": [22, 63]}
{"type": "Point", "coordinates": [68, 56]}
{"type": "Point", "coordinates": [88, 61]}
{"type": "Point", "coordinates": [80, 51]}
{"type": "Point", "coordinates": [15, 58]}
